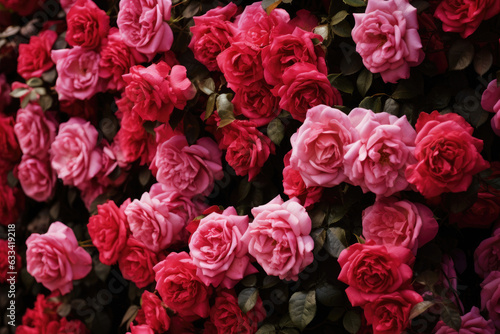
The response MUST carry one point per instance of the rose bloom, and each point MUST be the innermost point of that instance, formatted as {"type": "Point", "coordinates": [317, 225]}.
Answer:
{"type": "Point", "coordinates": [78, 73]}
{"type": "Point", "coordinates": [136, 263]}
{"type": "Point", "coordinates": [319, 145]}
{"type": "Point", "coordinates": [228, 318]}
{"type": "Point", "coordinates": [9, 148]}
{"type": "Point", "coordinates": [22, 7]}
{"type": "Point", "coordinates": [140, 329]}
{"type": "Point", "coordinates": [303, 88]}
{"type": "Point", "coordinates": [73, 153]}
{"type": "Point", "coordinates": [212, 34]}
{"type": "Point", "coordinates": [189, 170]}
{"type": "Point", "coordinates": [399, 223]}
{"type": "Point", "coordinates": [487, 255]}
{"type": "Point", "coordinates": [490, 297]}
{"type": "Point", "coordinates": [447, 155]}
{"type": "Point", "coordinates": [241, 64]}
{"type": "Point", "coordinates": [4, 93]}
{"type": "Point", "coordinates": [372, 271]}
{"type": "Point", "coordinates": [38, 318]}
{"type": "Point", "coordinates": [256, 102]}
{"type": "Point", "coordinates": [144, 25]}
{"type": "Point", "coordinates": [286, 50]}
{"type": "Point", "coordinates": [108, 231]}
{"type": "Point", "coordinates": [153, 313]}
{"type": "Point", "coordinates": [136, 145]}
{"type": "Point", "coordinates": [465, 16]}
{"type": "Point", "coordinates": [387, 39]}
{"type": "Point", "coordinates": [218, 251]}
{"type": "Point", "coordinates": [55, 259]}
{"type": "Point", "coordinates": [35, 132]}
{"type": "Point", "coordinates": [472, 323]}
{"type": "Point", "coordinates": [484, 212]}
{"type": "Point", "coordinates": [34, 57]}
{"type": "Point", "coordinates": [279, 238]}
{"type": "Point", "coordinates": [37, 177]}
{"type": "Point", "coordinates": [390, 313]}
{"type": "Point", "coordinates": [88, 25]}
{"type": "Point", "coordinates": [378, 159]}
{"type": "Point", "coordinates": [5, 258]}
{"type": "Point", "coordinates": [431, 41]}
{"type": "Point", "coordinates": [11, 203]}
{"type": "Point", "coordinates": [180, 288]}
{"type": "Point", "coordinates": [490, 100]}
{"type": "Point", "coordinates": [86, 109]}
{"type": "Point", "coordinates": [305, 20]}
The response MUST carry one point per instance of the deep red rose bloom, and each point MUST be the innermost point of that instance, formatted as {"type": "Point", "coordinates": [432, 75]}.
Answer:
{"type": "Point", "coordinates": [87, 24]}
{"type": "Point", "coordinates": [34, 57]}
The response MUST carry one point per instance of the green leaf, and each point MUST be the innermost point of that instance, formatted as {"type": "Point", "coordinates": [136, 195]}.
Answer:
{"type": "Point", "coordinates": [355, 3]}
{"type": "Point", "coordinates": [19, 92]}
{"type": "Point", "coordinates": [409, 88]}
{"type": "Point", "coordinates": [460, 54]}
{"type": "Point", "coordinates": [45, 102]}
{"type": "Point", "coordinates": [372, 102]}
{"type": "Point", "coordinates": [483, 61]}
{"type": "Point", "coordinates": [330, 295]}
{"type": "Point", "coordinates": [35, 82]}
{"type": "Point", "coordinates": [276, 131]}
{"type": "Point", "coordinates": [339, 17]}
{"type": "Point", "coordinates": [451, 316]}
{"type": "Point", "coordinates": [342, 29]}
{"type": "Point", "coordinates": [364, 82]}
{"type": "Point", "coordinates": [341, 83]}
{"type": "Point", "coordinates": [129, 315]}
{"type": "Point", "coordinates": [266, 329]}
{"type": "Point", "coordinates": [352, 321]}
{"type": "Point", "coordinates": [210, 105]}
{"type": "Point", "coordinates": [319, 237]}
{"type": "Point", "coordinates": [225, 122]}
{"type": "Point", "coordinates": [247, 299]}
{"type": "Point", "coordinates": [335, 241]}
{"type": "Point", "coordinates": [336, 313]}
{"type": "Point", "coordinates": [207, 86]}
{"type": "Point", "coordinates": [420, 308]}
{"type": "Point", "coordinates": [270, 281]}
{"type": "Point", "coordinates": [302, 308]}
{"type": "Point", "coordinates": [391, 107]}
{"type": "Point", "coordinates": [249, 281]}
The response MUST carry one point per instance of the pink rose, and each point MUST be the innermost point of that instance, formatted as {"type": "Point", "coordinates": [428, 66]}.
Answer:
{"type": "Point", "coordinates": [490, 297]}
{"type": "Point", "coordinates": [73, 153]}
{"type": "Point", "coordinates": [88, 25]}
{"type": "Point", "coordinates": [189, 170]}
{"type": "Point", "coordinates": [319, 145]}
{"type": "Point", "coordinates": [34, 57]}
{"type": "Point", "coordinates": [377, 161]}
{"type": "Point", "coordinates": [108, 231]}
{"type": "Point", "coordinates": [387, 38]}
{"type": "Point", "coordinates": [490, 100]}
{"type": "Point", "coordinates": [218, 251]}
{"type": "Point", "coordinates": [279, 238]}
{"type": "Point", "coordinates": [136, 263]}
{"type": "Point", "coordinates": [256, 102]}
{"type": "Point", "coordinates": [472, 323]}
{"type": "Point", "coordinates": [34, 131]}
{"type": "Point", "coordinates": [373, 271]}
{"type": "Point", "coordinates": [144, 25]}
{"type": "Point", "coordinates": [78, 73]}
{"type": "Point", "coordinates": [67, 4]}
{"type": "Point", "coordinates": [495, 124]}
{"type": "Point", "coordinates": [399, 223]}
{"type": "Point", "coordinates": [180, 288]}
{"type": "Point", "coordinates": [153, 313]}
{"type": "Point", "coordinates": [140, 329]}
{"type": "Point", "coordinates": [447, 155]}
{"type": "Point", "coordinates": [305, 87]}
{"type": "Point", "coordinates": [487, 255]}
{"type": "Point", "coordinates": [55, 259]}
{"type": "Point", "coordinates": [4, 93]}
{"type": "Point", "coordinates": [37, 177]}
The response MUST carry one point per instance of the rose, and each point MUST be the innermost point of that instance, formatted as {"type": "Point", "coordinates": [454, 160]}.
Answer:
{"type": "Point", "coordinates": [135, 145]}
{"type": "Point", "coordinates": [37, 319]}
{"type": "Point", "coordinates": [390, 313]}
{"type": "Point", "coordinates": [447, 155]}
{"type": "Point", "coordinates": [35, 132]}
{"type": "Point", "coordinates": [484, 211]}
{"type": "Point", "coordinates": [67, 4]}
{"type": "Point", "coordinates": [144, 25]}
{"type": "Point", "coordinates": [140, 329]}
{"type": "Point", "coordinates": [55, 259]}
{"type": "Point", "coordinates": [10, 202]}
{"type": "Point", "coordinates": [305, 20]}
{"type": "Point", "coordinates": [431, 41]}
{"type": "Point", "coordinates": [256, 102]}
{"type": "Point", "coordinates": [294, 186]}
{"type": "Point", "coordinates": [490, 100]}
{"type": "Point", "coordinates": [387, 39]}
{"type": "Point", "coordinates": [472, 323]}
{"type": "Point", "coordinates": [6, 256]}
{"type": "Point", "coordinates": [85, 109]}
{"type": "Point", "coordinates": [279, 238]}
{"type": "Point", "coordinates": [303, 88]}
{"type": "Point", "coordinates": [399, 223]}
{"type": "Point", "coordinates": [152, 313]}
{"type": "Point", "coordinates": [218, 251]}
{"type": "Point", "coordinates": [22, 7]}
{"type": "Point", "coordinates": [73, 153]}
{"type": "Point", "coordinates": [136, 263]}
{"type": "Point", "coordinates": [490, 297]}
{"type": "Point", "coordinates": [34, 57]}
{"type": "Point", "coordinates": [212, 34]}
{"type": "Point", "coordinates": [465, 16]}
{"type": "Point", "coordinates": [9, 148]}
{"type": "Point", "coordinates": [373, 271]}
{"type": "Point", "coordinates": [487, 255]}
{"type": "Point", "coordinates": [108, 231]}
{"type": "Point", "coordinates": [88, 25]}
{"type": "Point", "coordinates": [37, 178]}
{"type": "Point", "coordinates": [286, 50]}
{"type": "Point", "coordinates": [189, 170]}
{"type": "Point", "coordinates": [495, 124]}
{"type": "Point", "coordinates": [116, 60]}
{"type": "Point", "coordinates": [180, 288]}
{"type": "Point", "coordinates": [4, 93]}
{"type": "Point", "coordinates": [78, 73]}
{"type": "Point", "coordinates": [318, 147]}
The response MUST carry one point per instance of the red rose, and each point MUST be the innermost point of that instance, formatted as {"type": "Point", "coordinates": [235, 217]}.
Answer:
{"type": "Point", "coordinates": [482, 213]}
{"type": "Point", "coordinates": [256, 102]}
{"type": "Point", "coordinates": [22, 7]}
{"type": "Point", "coordinates": [37, 319]}
{"type": "Point", "coordinates": [136, 144]}
{"type": "Point", "coordinates": [9, 148]}
{"type": "Point", "coordinates": [136, 263]}
{"type": "Point", "coordinates": [34, 58]}
{"type": "Point", "coordinates": [5, 258]}
{"type": "Point", "coordinates": [87, 25]}
{"type": "Point", "coordinates": [431, 41]}
{"type": "Point", "coordinates": [153, 313]}
{"type": "Point", "coordinates": [10, 202]}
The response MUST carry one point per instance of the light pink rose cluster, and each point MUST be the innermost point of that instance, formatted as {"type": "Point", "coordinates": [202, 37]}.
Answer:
{"type": "Point", "coordinates": [490, 297]}
{"type": "Point", "coordinates": [387, 38]}
{"type": "Point", "coordinates": [55, 259]}
{"type": "Point", "coordinates": [490, 102]}
{"type": "Point", "coordinates": [487, 255]}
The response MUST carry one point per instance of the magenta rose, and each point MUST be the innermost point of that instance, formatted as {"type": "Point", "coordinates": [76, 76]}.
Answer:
{"type": "Point", "coordinates": [78, 73]}
{"type": "Point", "coordinates": [487, 255]}
{"type": "Point", "coordinates": [256, 102]}
{"type": "Point", "coordinates": [495, 124]}
{"type": "Point", "coordinates": [305, 20]}
{"type": "Point", "coordinates": [472, 323]}
{"type": "Point", "coordinates": [319, 145]}
{"type": "Point", "coordinates": [490, 297]}
{"type": "Point", "coordinates": [35, 132]}
{"type": "Point", "coordinates": [447, 155]}
{"type": "Point", "coordinates": [34, 57]}
{"type": "Point", "coordinates": [136, 263]}
{"type": "Point", "coordinates": [373, 271]}
{"type": "Point", "coordinates": [140, 329]}
{"type": "Point", "coordinates": [108, 231]}
{"type": "Point", "coordinates": [37, 178]}
{"type": "Point", "coordinates": [88, 25]}
{"type": "Point", "coordinates": [377, 161]}
{"type": "Point", "coordinates": [387, 38]}
{"type": "Point", "coordinates": [490, 100]}
{"type": "Point", "coordinates": [55, 259]}
{"type": "Point", "coordinates": [153, 313]}
{"type": "Point", "coordinates": [180, 288]}
{"type": "Point", "coordinates": [144, 25]}
{"type": "Point", "coordinates": [278, 238]}
{"type": "Point", "coordinates": [399, 223]}
{"type": "Point", "coordinates": [218, 251]}
{"type": "Point", "coordinates": [73, 153]}
{"type": "Point", "coordinates": [294, 186]}
{"type": "Point", "coordinates": [305, 87]}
